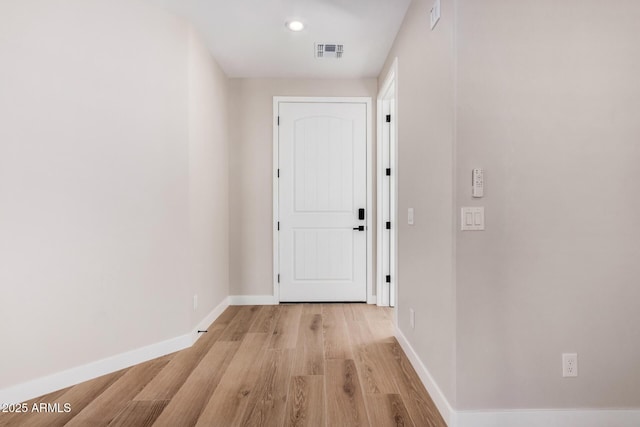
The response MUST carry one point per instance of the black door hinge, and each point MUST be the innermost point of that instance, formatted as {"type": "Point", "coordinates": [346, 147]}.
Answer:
{"type": "Point", "coordinates": [388, 171]}
{"type": "Point", "coordinates": [388, 279]}
{"type": "Point", "coordinates": [278, 225]}
{"type": "Point", "coordinates": [388, 225]}
{"type": "Point", "coordinates": [278, 173]}
{"type": "Point", "coordinates": [278, 278]}
{"type": "Point", "coordinates": [278, 120]}
{"type": "Point", "coordinates": [388, 118]}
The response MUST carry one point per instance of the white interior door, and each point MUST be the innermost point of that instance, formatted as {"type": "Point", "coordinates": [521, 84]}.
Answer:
{"type": "Point", "coordinates": [322, 187]}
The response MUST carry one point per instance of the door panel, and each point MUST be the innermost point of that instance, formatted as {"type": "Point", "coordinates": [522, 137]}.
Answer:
{"type": "Point", "coordinates": [322, 184]}
{"type": "Point", "coordinates": [323, 151]}
{"type": "Point", "coordinates": [323, 254]}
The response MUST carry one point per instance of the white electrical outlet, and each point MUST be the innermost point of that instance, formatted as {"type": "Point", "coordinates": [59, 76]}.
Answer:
{"type": "Point", "coordinates": [412, 318]}
{"type": "Point", "coordinates": [195, 302]}
{"type": "Point", "coordinates": [570, 364]}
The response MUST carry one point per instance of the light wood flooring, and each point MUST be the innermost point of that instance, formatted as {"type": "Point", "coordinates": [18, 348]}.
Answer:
{"type": "Point", "coordinates": [284, 365]}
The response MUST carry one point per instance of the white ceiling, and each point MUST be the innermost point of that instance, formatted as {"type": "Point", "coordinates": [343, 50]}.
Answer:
{"type": "Point", "coordinates": [248, 38]}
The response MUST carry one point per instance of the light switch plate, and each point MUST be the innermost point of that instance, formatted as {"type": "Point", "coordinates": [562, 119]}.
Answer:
{"type": "Point", "coordinates": [472, 219]}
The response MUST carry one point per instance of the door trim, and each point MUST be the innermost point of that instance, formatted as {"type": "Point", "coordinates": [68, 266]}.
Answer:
{"type": "Point", "coordinates": [371, 299]}
{"type": "Point", "coordinates": [388, 93]}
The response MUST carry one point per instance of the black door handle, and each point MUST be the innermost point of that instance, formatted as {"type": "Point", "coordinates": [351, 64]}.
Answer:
{"type": "Point", "coordinates": [360, 228]}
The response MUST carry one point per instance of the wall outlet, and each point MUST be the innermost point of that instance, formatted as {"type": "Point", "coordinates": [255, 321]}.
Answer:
{"type": "Point", "coordinates": [570, 364]}
{"type": "Point", "coordinates": [412, 318]}
{"type": "Point", "coordinates": [195, 302]}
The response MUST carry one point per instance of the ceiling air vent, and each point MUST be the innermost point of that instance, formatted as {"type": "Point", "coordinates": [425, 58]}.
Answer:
{"type": "Point", "coordinates": [329, 50]}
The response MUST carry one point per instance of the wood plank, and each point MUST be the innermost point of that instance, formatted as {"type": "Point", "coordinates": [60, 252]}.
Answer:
{"type": "Point", "coordinates": [228, 314]}
{"type": "Point", "coordinates": [285, 333]}
{"type": "Point", "coordinates": [268, 402]}
{"type": "Point", "coordinates": [188, 403]}
{"type": "Point", "coordinates": [230, 399]}
{"type": "Point", "coordinates": [354, 312]}
{"type": "Point", "coordinates": [388, 410]}
{"type": "Point", "coordinates": [375, 373]}
{"type": "Point", "coordinates": [336, 366]}
{"type": "Point", "coordinates": [337, 344]}
{"type": "Point", "coordinates": [381, 331]}
{"type": "Point", "coordinates": [360, 333]}
{"type": "Point", "coordinates": [51, 397]}
{"type": "Point", "coordinates": [380, 323]}
{"type": "Point", "coordinates": [168, 381]}
{"type": "Point", "coordinates": [266, 319]}
{"type": "Point", "coordinates": [139, 413]}
{"type": "Point", "coordinates": [103, 408]}
{"type": "Point", "coordinates": [240, 324]}
{"type": "Point", "coordinates": [306, 402]}
{"type": "Point", "coordinates": [345, 402]}
{"type": "Point", "coordinates": [419, 404]}
{"type": "Point", "coordinates": [374, 313]}
{"type": "Point", "coordinates": [311, 308]}
{"type": "Point", "coordinates": [13, 418]}
{"type": "Point", "coordinates": [310, 349]}
{"type": "Point", "coordinates": [78, 396]}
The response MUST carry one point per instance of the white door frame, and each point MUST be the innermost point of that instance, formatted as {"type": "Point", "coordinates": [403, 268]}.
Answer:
{"type": "Point", "coordinates": [371, 299]}
{"type": "Point", "coordinates": [388, 95]}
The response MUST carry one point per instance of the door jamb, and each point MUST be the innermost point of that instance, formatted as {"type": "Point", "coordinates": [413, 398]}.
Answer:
{"type": "Point", "coordinates": [390, 82]}
{"type": "Point", "coordinates": [371, 299]}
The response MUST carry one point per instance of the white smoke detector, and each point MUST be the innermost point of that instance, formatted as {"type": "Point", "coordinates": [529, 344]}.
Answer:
{"type": "Point", "coordinates": [329, 50]}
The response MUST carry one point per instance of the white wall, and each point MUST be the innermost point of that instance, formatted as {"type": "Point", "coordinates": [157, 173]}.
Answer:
{"type": "Point", "coordinates": [425, 183]}
{"type": "Point", "coordinates": [548, 101]}
{"type": "Point", "coordinates": [544, 96]}
{"type": "Point", "coordinates": [102, 172]}
{"type": "Point", "coordinates": [251, 171]}
{"type": "Point", "coordinates": [208, 179]}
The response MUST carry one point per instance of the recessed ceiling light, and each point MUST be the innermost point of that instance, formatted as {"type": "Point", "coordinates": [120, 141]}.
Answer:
{"type": "Point", "coordinates": [295, 25]}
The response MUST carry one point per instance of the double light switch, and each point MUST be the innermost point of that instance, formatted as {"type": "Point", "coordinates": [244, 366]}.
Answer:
{"type": "Point", "coordinates": [472, 219]}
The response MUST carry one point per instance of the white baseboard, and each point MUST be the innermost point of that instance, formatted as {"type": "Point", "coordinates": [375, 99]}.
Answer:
{"type": "Point", "coordinates": [50, 383]}
{"type": "Point", "coordinates": [267, 300]}
{"type": "Point", "coordinates": [549, 418]}
{"type": "Point", "coordinates": [211, 317]}
{"type": "Point", "coordinates": [447, 412]}
{"type": "Point", "coordinates": [518, 417]}
{"type": "Point", "coordinates": [252, 300]}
